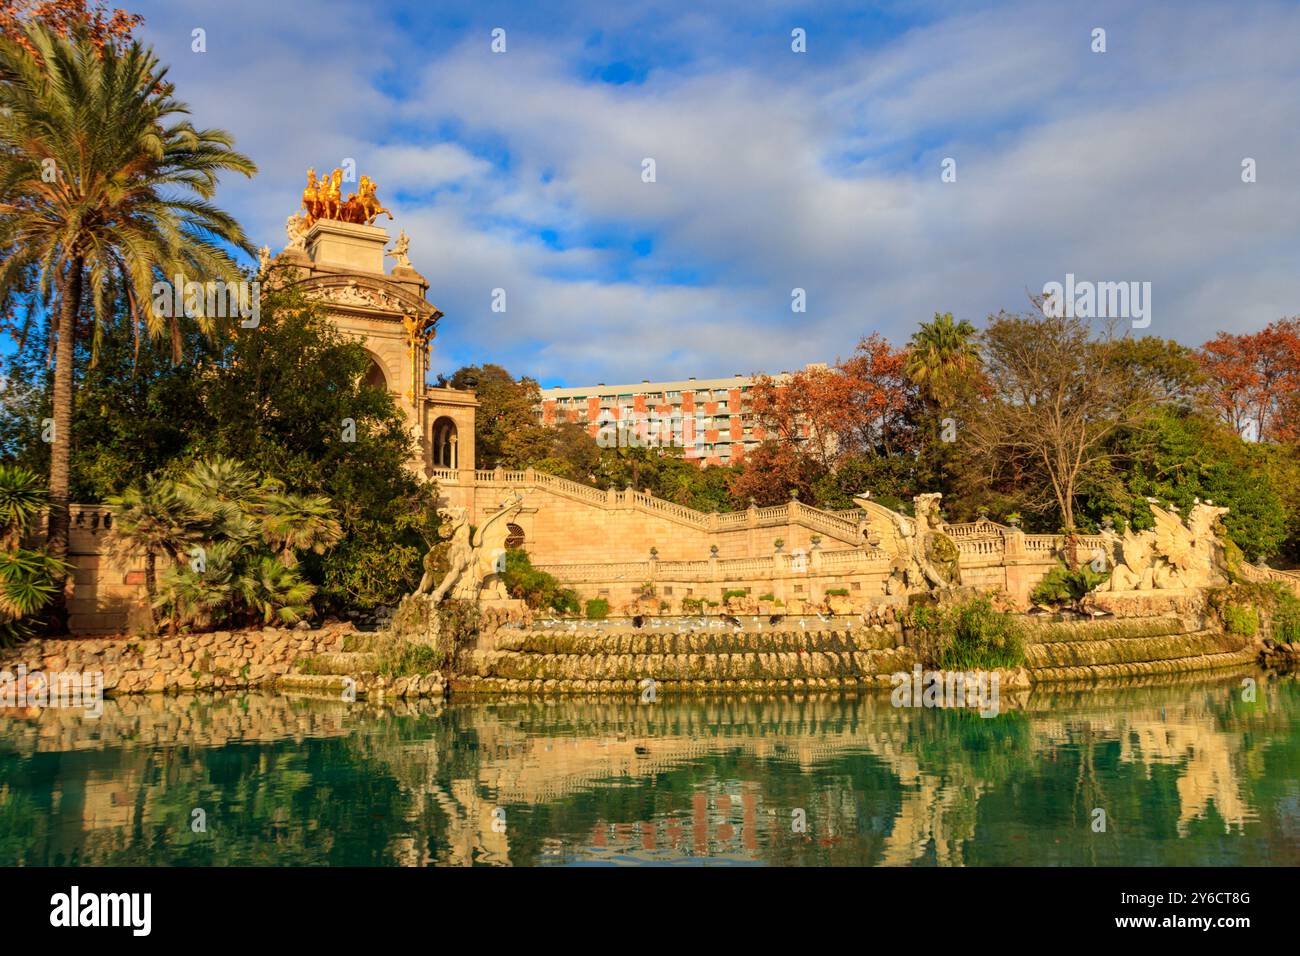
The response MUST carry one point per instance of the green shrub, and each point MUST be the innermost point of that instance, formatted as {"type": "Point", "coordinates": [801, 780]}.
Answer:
{"type": "Point", "coordinates": [734, 593]}
{"type": "Point", "coordinates": [409, 660]}
{"type": "Point", "coordinates": [1064, 586]}
{"type": "Point", "coordinates": [837, 592]}
{"type": "Point", "coordinates": [692, 605]}
{"type": "Point", "coordinates": [1286, 617]}
{"type": "Point", "coordinates": [1240, 620]}
{"type": "Point", "coordinates": [1246, 608]}
{"type": "Point", "coordinates": [767, 597]}
{"type": "Point", "coordinates": [969, 636]}
{"type": "Point", "coordinates": [597, 609]}
{"type": "Point", "coordinates": [537, 589]}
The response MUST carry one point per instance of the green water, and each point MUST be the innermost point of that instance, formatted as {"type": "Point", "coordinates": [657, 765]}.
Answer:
{"type": "Point", "coordinates": [1186, 774]}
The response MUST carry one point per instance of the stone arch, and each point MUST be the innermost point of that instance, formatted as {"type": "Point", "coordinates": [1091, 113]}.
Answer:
{"type": "Point", "coordinates": [376, 375]}
{"type": "Point", "coordinates": [444, 442]}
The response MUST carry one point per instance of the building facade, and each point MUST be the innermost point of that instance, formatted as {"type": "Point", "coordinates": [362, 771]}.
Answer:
{"type": "Point", "coordinates": [710, 419]}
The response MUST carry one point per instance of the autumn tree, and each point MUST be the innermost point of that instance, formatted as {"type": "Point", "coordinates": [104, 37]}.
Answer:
{"type": "Point", "coordinates": [1253, 380]}
{"type": "Point", "coordinates": [1056, 395]}
{"type": "Point", "coordinates": [100, 24]}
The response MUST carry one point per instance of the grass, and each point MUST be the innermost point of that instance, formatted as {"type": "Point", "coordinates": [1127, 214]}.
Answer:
{"type": "Point", "coordinates": [968, 636]}
{"type": "Point", "coordinates": [1240, 620]}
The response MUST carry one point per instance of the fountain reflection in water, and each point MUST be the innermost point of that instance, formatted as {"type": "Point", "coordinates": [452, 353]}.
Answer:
{"type": "Point", "coordinates": [1187, 773]}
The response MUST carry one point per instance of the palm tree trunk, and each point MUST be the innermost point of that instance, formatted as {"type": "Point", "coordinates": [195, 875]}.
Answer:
{"type": "Point", "coordinates": [61, 447]}
{"type": "Point", "coordinates": [150, 585]}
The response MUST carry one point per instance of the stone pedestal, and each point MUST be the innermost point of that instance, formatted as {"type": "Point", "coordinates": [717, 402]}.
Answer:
{"type": "Point", "coordinates": [347, 245]}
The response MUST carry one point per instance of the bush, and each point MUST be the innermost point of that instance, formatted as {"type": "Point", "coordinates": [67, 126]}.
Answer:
{"type": "Point", "coordinates": [837, 592]}
{"type": "Point", "coordinates": [734, 593]}
{"type": "Point", "coordinates": [1240, 620]}
{"type": "Point", "coordinates": [1064, 586]}
{"type": "Point", "coordinates": [1286, 617]}
{"type": "Point", "coordinates": [537, 589]}
{"type": "Point", "coordinates": [28, 579]}
{"type": "Point", "coordinates": [969, 636]}
{"type": "Point", "coordinates": [692, 605]}
{"type": "Point", "coordinates": [767, 597]}
{"type": "Point", "coordinates": [597, 609]}
{"type": "Point", "coordinates": [1247, 608]}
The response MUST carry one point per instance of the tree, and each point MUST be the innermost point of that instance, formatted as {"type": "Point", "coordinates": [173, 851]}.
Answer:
{"type": "Point", "coordinates": [104, 188]}
{"type": "Point", "coordinates": [28, 578]}
{"type": "Point", "coordinates": [1182, 456]}
{"type": "Point", "coordinates": [506, 430]}
{"type": "Point", "coordinates": [876, 399]}
{"type": "Point", "coordinates": [290, 395]}
{"type": "Point", "coordinates": [150, 520]}
{"type": "Point", "coordinates": [103, 27]}
{"type": "Point", "coordinates": [1055, 397]}
{"type": "Point", "coordinates": [1253, 381]}
{"type": "Point", "coordinates": [243, 527]}
{"type": "Point", "coordinates": [772, 471]}
{"type": "Point", "coordinates": [940, 355]}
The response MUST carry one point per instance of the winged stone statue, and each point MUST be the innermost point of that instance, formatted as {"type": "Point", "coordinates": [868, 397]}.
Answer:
{"type": "Point", "coordinates": [905, 540]}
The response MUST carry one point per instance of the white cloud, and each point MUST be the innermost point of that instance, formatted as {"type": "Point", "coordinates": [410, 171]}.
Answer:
{"type": "Point", "coordinates": [823, 175]}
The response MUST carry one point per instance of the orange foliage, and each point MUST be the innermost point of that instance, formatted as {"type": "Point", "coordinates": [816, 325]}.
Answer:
{"type": "Point", "coordinates": [857, 407]}
{"type": "Point", "coordinates": [1254, 380]}
{"type": "Point", "coordinates": [102, 25]}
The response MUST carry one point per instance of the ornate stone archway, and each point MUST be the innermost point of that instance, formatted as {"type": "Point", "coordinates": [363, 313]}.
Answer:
{"type": "Point", "coordinates": [341, 265]}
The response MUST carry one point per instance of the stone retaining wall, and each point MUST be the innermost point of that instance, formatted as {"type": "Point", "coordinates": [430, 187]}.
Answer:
{"type": "Point", "coordinates": [221, 660]}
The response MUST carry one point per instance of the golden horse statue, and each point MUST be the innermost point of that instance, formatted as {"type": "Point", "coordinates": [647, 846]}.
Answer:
{"type": "Point", "coordinates": [323, 199]}
{"type": "Point", "coordinates": [311, 196]}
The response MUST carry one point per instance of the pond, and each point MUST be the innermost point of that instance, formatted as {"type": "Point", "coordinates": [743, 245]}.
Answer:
{"type": "Point", "coordinates": [1186, 773]}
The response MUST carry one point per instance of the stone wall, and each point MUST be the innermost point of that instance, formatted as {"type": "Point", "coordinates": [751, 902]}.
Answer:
{"type": "Point", "coordinates": [221, 660]}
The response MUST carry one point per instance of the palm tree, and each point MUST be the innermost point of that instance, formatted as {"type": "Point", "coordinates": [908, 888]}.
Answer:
{"type": "Point", "coordinates": [939, 354]}
{"type": "Point", "coordinates": [298, 522]}
{"type": "Point", "coordinates": [27, 577]}
{"type": "Point", "coordinates": [274, 592]}
{"type": "Point", "coordinates": [153, 520]}
{"type": "Point", "coordinates": [103, 184]}
{"type": "Point", "coordinates": [21, 500]}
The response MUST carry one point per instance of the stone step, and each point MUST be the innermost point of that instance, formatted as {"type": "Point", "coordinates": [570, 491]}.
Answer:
{"type": "Point", "coordinates": [331, 684]}
{"type": "Point", "coordinates": [343, 663]}
{"type": "Point", "coordinates": [1097, 672]}
{"type": "Point", "coordinates": [1129, 650]}
{"type": "Point", "coordinates": [685, 667]}
{"type": "Point", "coordinates": [587, 688]}
{"type": "Point", "coordinates": [716, 641]}
{"type": "Point", "coordinates": [364, 685]}
{"type": "Point", "coordinates": [1102, 629]}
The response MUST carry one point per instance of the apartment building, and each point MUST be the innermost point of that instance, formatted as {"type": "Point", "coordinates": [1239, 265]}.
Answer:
{"type": "Point", "coordinates": [709, 418]}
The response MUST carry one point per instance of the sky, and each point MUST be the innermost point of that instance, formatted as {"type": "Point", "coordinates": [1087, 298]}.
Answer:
{"type": "Point", "coordinates": [775, 170]}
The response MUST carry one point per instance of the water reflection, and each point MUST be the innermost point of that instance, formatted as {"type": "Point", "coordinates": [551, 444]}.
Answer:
{"type": "Point", "coordinates": [1186, 774]}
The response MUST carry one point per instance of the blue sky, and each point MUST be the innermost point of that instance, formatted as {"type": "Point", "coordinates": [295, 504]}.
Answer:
{"type": "Point", "coordinates": [775, 170]}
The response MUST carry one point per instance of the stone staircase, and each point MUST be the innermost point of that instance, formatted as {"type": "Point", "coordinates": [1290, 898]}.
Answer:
{"type": "Point", "coordinates": [565, 661]}
{"type": "Point", "coordinates": [1109, 648]}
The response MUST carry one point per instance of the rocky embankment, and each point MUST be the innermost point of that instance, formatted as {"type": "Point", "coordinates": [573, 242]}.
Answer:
{"type": "Point", "coordinates": [220, 660]}
{"type": "Point", "coordinates": [570, 658]}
